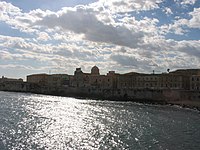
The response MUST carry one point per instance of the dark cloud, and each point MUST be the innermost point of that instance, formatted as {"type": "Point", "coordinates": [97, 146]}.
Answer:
{"type": "Point", "coordinates": [84, 21]}
{"type": "Point", "coordinates": [192, 49]}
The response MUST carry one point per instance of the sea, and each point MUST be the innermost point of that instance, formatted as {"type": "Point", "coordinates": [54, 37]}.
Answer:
{"type": "Point", "coordinates": [42, 122]}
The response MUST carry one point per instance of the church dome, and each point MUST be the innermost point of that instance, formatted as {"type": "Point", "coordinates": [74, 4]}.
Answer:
{"type": "Point", "coordinates": [95, 70]}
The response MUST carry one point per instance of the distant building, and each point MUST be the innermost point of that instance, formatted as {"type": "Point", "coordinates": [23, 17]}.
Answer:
{"type": "Point", "coordinates": [94, 80]}
{"type": "Point", "coordinates": [195, 83]}
{"type": "Point", "coordinates": [58, 80]}
{"type": "Point", "coordinates": [4, 79]}
{"type": "Point", "coordinates": [153, 81]}
{"type": "Point", "coordinates": [80, 79]}
{"type": "Point", "coordinates": [54, 80]}
{"type": "Point", "coordinates": [128, 83]}
{"type": "Point", "coordinates": [147, 81]}
{"type": "Point", "coordinates": [12, 84]}
{"type": "Point", "coordinates": [41, 79]}
{"type": "Point", "coordinates": [95, 71]}
{"type": "Point", "coordinates": [174, 81]}
{"type": "Point", "coordinates": [186, 72]}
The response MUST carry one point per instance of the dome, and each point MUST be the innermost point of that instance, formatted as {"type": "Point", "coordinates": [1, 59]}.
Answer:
{"type": "Point", "coordinates": [95, 70]}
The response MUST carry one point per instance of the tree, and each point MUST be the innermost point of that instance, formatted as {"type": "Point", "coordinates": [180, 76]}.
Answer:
{"type": "Point", "coordinates": [168, 70]}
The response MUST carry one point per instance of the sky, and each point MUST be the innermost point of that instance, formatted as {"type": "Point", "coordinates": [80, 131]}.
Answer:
{"type": "Point", "coordinates": [46, 36]}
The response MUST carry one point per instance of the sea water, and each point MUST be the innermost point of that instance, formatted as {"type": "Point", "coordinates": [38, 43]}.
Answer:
{"type": "Point", "coordinates": [32, 121]}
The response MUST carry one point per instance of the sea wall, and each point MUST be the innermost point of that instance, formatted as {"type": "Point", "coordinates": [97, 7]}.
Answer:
{"type": "Point", "coordinates": [141, 95]}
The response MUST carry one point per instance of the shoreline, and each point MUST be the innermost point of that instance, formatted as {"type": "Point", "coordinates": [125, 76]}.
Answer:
{"type": "Point", "coordinates": [193, 105]}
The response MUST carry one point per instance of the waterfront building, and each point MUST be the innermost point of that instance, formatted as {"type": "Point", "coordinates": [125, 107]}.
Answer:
{"type": "Point", "coordinates": [54, 80]}
{"type": "Point", "coordinates": [132, 83]}
{"type": "Point", "coordinates": [41, 79]}
{"type": "Point", "coordinates": [195, 83]}
{"type": "Point", "coordinates": [173, 81]}
{"type": "Point", "coordinates": [153, 81]}
{"type": "Point", "coordinates": [127, 81]}
{"type": "Point", "coordinates": [147, 81]}
{"type": "Point", "coordinates": [95, 71]}
{"type": "Point", "coordinates": [80, 79]}
{"type": "Point", "coordinates": [186, 72]}
{"type": "Point", "coordinates": [94, 81]}
{"type": "Point", "coordinates": [4, 79]}
{"type": "Point", "coordinates": [12, 84]}
{"type": "Point", "coordinates": [59, 80]}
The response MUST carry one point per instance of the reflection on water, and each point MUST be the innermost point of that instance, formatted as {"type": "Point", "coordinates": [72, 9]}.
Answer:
{"type": "Point", "coordinates": [30, 121]}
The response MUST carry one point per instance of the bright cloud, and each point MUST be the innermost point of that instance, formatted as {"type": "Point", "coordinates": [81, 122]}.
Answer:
{"type": "Point", "coordinates": [132, 35]}
{"type": "Point", "coordinates": [168, 11]}
{"type": "Point", "coordinates": [119, 6]}
{"type": "Point", "coordinates": [194, 22]}
{"type": "Point", "coordinates": [186, 2]}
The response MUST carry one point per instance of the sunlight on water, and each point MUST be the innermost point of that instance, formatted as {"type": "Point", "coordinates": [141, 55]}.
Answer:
{"type": "Point", "coordinates": [31, 121]}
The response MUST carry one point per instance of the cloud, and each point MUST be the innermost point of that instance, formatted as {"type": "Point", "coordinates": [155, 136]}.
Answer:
{"type": "Point", "coordinates": [16, 67]}
{"type": "Point", "coordinates": [188, 2]}
{"type": "Point", "coordinates": [192, 48]}
{"type": "Point", "coordinates": [105, 35]}
{"type": "Point", "coordinates": [5, 55]}
{"type": "Point", "coordinates": [168, 11]}
{"type": "Point", "coordinates": [194, 22]}
{"type": "Point", "coordinates": [121, 6]}
{"type": "Point", "coordinates": [129, 60]}
{"type": "Point", "coordinates": [179, 26]}
{"type": "Point", "coordinates": [7, 11]}
{"type": "Point", "coordinates": [159, 53]}
{"type": "Point", "coordinates": [43, 36]}
{"type": "Point", "coordinates": [82, 20]}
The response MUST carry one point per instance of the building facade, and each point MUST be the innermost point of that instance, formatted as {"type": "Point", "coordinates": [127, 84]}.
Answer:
{"type": "Point", "coordinates": [195, 83]}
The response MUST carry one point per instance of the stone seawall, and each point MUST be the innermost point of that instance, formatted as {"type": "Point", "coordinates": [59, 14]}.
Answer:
{"type": "Point", "coordinates": [137, 95]}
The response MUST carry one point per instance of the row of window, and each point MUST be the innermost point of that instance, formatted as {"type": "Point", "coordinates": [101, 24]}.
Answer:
{"type": "Point", "coordinates": [195, 79]}
{"type": "Point", "coordinates": [150, 85]}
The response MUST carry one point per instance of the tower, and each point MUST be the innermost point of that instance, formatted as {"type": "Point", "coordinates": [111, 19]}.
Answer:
{"type": "Point", "coordinates": [95, 70]}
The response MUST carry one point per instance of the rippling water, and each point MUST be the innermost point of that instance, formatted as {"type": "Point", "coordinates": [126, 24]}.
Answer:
{"type": "Point", "coordinates": [30, 121]}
